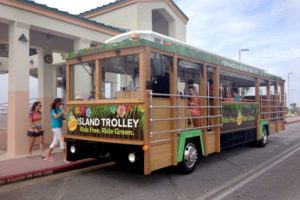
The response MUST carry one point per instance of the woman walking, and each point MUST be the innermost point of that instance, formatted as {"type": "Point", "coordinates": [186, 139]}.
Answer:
{"type": "Point", "coordinates": [35, 128]}
{"type": "Point", "coordinates": [56, 114]}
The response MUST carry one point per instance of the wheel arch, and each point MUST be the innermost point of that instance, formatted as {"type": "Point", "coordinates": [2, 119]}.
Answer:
{"type": "Point", "coordinates": [195, 135]}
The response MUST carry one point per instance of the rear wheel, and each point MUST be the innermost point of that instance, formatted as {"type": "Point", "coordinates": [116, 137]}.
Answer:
{"type": "Point", "coordinates": [190, 158]}
{"type": "Point", "coordinates": [264, 139]}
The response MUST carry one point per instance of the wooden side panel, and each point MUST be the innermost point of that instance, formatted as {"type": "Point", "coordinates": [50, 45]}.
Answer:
{"type": "Point", "coordinates": [161, 113]}
{"type": "Point", "coordinates": [161, 143]}
{"type": "Point", "coordinates": [161, 156]}
{"type": "Point", "coordinates": [272, 127]}
{"type": "Point", "coordinates": [280, 127]}
{"type": "Point", "coordinates": [210, 142]}
{"type": "Point", "coordinates": [183, 112]}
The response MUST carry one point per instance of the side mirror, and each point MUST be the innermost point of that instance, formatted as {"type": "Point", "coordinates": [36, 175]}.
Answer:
{"type": "Point", "coordinates": [149, 85]}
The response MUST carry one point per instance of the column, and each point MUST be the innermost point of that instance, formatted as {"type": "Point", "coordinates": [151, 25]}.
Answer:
{"type": "Point", "coordinates": [82, 85]}
{"type": "Point", "coordinates": [18, 88]}
{"type": "Point", "coordinates": [47, 81]}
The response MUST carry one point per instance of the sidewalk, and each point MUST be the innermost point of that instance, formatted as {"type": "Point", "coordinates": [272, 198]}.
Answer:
{"type": "Point", "coordinates": [290, 120]}
{"type": "Point", "coordinates": [22, 168]}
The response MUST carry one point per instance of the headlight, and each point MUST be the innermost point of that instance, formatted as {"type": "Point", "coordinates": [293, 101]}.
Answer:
{"type": "Point", "coordinates": [73, 149]}
{"type": "Point", "coordinates": [131, 157]}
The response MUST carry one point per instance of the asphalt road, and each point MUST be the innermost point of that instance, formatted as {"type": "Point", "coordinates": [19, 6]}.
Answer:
{"type": "Point", "coordinates": [244, 172]}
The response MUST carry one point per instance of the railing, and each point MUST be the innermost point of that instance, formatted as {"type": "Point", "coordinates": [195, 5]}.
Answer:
{"type": "Point", "coordinates": [4, 114]}
{"type": "Point", "coordinates": [181, 104]}
{"type": "Point", "coordinates": [272, 109]}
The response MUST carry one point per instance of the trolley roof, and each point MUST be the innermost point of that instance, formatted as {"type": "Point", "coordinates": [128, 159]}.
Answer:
{"type": "Point", "coordinates": [171, 45]}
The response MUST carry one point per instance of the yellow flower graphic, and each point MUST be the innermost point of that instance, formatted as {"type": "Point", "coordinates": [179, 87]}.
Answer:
{"type": "Point", "coordinates": [142, 109]}
{"type": "Point", "coordinates": [77, 110]}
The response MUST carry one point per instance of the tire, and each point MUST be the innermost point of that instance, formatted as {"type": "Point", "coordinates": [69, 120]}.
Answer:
{"type": "Point", "coordinates": [190, 158]}
{"type": "Point", "coordinates": [264, 140]}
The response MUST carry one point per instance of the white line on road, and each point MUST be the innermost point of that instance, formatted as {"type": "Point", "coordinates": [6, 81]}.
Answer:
{"type": "Point", "coordinates": [229, 187]}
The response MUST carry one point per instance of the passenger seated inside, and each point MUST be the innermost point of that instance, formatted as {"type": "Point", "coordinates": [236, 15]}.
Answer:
{"type": "Point", "coordinates": [235, 95]}
{"type": "Point", "coordinates": [194, 101]}
{"type": "Point", "coordinates": [228, 96]}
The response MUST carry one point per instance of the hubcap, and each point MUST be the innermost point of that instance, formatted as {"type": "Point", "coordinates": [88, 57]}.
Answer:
{"type": "Point", "coordinates": [190, 155]}
{"type": "Point", "coordinates": [265, 137]}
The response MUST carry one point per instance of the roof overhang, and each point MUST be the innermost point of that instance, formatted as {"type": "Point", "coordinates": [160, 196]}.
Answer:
{"type": "Point", "coordinates": [61, 16]}
{"type": "Point", "coordinates": [123, 3]}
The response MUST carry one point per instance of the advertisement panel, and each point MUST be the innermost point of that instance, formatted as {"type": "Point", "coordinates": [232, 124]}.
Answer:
{"type": "Point", "coordinates": [238, 116]}
{"type": "Point", "coordinates": [107, 121]}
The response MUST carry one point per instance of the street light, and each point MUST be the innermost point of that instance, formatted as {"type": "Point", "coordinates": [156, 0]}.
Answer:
{"type": "Point", "coordinates": [292, 98]}
{"type": "Point", "coordinates": [240, 53]}
{"type": "Point", "coordinates": [290, 73]}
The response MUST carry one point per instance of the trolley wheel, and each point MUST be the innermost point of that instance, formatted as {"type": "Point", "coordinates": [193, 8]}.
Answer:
{"type": "Point", "coordinates": [190, 158]}
{"type": "Point", "coordinates": [264, 139]}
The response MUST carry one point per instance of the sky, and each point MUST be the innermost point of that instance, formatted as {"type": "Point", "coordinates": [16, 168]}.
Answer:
{"type": "Point", "coordinates": [270, 29]}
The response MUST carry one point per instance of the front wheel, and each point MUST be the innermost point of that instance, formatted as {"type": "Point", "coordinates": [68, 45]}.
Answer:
{"type": "Point", "coordinates": [264, 139]}
{"type": "Point", "coordinates": [190, 158]}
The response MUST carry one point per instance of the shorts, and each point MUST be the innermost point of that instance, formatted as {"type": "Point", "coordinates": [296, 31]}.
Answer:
{"type": "Point", "coordinates": [35, 134]}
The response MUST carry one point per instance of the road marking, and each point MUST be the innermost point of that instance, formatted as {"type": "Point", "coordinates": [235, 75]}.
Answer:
{"type": "Point", "coordinates": [241, 180]}
{"type": "Point", "coordinates": [22, 184]}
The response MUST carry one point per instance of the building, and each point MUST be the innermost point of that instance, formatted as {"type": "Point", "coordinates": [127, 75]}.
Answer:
{"type": "Point", "coordinates": [32, 36]}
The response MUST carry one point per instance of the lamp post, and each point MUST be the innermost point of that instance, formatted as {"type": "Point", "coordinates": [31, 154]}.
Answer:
{"type": "Point", "coordinates": [240, 53]}
{"type": "Point", "coordinates": [290, 73]}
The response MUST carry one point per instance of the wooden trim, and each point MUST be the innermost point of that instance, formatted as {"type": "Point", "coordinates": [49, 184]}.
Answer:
{"type": "Point", "coordinates": [216, 102]}
{"type": "Point", "coordinates": [174, 111]}
{"type": "Point", "coordinates": [257, 99]}
{"type": "Point", "coordinates": [121, 5]}
{"type": "Point", "coordinates": [67, 82]}
{"type": "Point", "coordinates": [105, 54]}
{"type": "Point", "coordinates": [57, 16]}
{"type": "Point", "coordinates": [106, 102]}
{"type": "Point", "coordinates": [98, 79]}
{"type": "Point", "coordinates": [147, 154]}
{"type": "Point", "coordinates": [142, 67]}
{"type": "Point", "coordinates": [276, 104]}
{"type": "Point", "coordinates": [283, 102]}
{"type": "Point", "coordinates": [268, 92]}
{"type": "Point", "coordinates": [106, 140]}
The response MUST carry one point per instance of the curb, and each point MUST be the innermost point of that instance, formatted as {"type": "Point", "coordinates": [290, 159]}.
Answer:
{"type": "Point", "coordinates": [292, 122]}
{"type": "Point", "coordinates": [4, 180]}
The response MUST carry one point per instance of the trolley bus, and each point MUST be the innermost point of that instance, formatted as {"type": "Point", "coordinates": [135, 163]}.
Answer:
{"type": "Point", "coordinates": [147, 98]}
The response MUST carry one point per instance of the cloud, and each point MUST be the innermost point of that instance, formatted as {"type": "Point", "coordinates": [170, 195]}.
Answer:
{"type": "Point", "coordinates": [269, 28]}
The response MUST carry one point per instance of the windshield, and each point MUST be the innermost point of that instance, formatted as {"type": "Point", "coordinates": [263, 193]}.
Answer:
{"type": "Point", "coordinates": [118, 79]}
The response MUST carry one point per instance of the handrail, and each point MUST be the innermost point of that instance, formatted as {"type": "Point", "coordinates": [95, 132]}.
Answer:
{"type": "Point", "coordinates": [177, 106]}
{"type": "Point", "coordinates": [4, 114]}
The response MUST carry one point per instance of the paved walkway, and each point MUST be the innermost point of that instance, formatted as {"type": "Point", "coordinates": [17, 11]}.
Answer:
{"type": "Point", "coordinates": [22, 168]}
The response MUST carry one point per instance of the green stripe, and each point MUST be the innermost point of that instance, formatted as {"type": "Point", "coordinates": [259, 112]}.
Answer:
{"type": "Point", "coordinates": [262, 124]}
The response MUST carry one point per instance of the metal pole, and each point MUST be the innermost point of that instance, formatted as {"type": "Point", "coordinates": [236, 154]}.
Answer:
{"type": "Point", "coordinates": [240, 53]}
{"type": "Point", "coordinates": [289, 95]}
